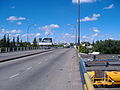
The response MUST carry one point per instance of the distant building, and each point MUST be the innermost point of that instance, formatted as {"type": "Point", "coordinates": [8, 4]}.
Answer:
{"type": "Point", "coordinates": [46, 41]}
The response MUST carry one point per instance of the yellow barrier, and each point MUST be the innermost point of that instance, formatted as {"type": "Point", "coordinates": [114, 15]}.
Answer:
{"type": "Point", "coordinates": [85, 87]}
{"type": "Point", "coordinates": [88, 82]}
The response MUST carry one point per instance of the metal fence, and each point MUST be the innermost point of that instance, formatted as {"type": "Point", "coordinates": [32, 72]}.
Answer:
{"type": "Point", "coordinates": [12, 49]}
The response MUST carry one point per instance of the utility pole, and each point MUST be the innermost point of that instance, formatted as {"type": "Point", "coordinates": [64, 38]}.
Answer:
{"type": "Point", "coordinates": [28, 31]}
{"type": "Point", "coordinates": [78, 22]}
{"type": "Point", "coordinates": [74, 26]}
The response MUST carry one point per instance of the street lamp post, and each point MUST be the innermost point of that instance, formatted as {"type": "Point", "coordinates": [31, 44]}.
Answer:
{"type": "Point", "coordinates": [75, 33]}
{"type": "Point", "coordinates": [78, 22]}
{"type": "Point", "coordinates": [28, 31]}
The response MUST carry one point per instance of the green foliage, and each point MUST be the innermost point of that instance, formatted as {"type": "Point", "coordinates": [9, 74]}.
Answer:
{"type": "Point", "coordinates": [71, 44]}
{"type": "Point", "coordinates": [107, 46]}
{"type": "Point", "coordinates": [15, 42]}
{"type": "Point", "coordinates": [18, 43]}
{"type": "Point", "coordinates": [86, 43]}
{"type": "Point", "coordinates": [35, 42]}
{"type": "Point", "coordinates": [8, 41]}
{"type": "Point", "coordinates": [82, 49]}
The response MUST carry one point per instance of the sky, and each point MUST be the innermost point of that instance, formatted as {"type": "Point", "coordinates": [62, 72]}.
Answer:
{"type": "Point", "coordinates": [57, 19]}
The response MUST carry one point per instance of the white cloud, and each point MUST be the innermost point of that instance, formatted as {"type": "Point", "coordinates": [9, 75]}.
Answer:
{"type": "Point", "coordinates": [67, 34]}
{"type": "Point", "coordinates": [93, 18]}
{"type": "Point", "coordinates": [48, 32]}
{"type": "Point", "coordinates": [109, 7]}
{"type": "Point", "coordinates": [37, 34]}
{"type": "Point", "coordinates": [95, 35]}
{"type": "Point", "coordinates": [85, 37]}
{"type": "Point", "coordinates": [24, 35]}
{"type": "Point", "coordinates": [111, 38]}
{"type": "Point", "coordinates": [91, 37]}
{"type": "Point", "coordinates": [16, 35]}
{"type": "Point", "coordinates": [10, 31]}
{"type": "Point", "coordinates": [14, 18]}
{"type": "Point", "coordinates": [67, 37]}
{"type": "Point", "coordinates": [96, 15]}
{"type": "Point", "coordinates": [1, 35]}
{"type": "Point", "coordinates": [19, 23]}
{"type": "Point", "coordinates": [83, 1]}
{"type": "Point", "coordinates": [48, 28]}
{"type": "Point", "coordinates": [15, 31]}
{"type": "Point", "coordinates": [96, 30]}
{"type": "Point", "coordinates": [108, 36]}
{"type": "Point", "coordinates": [31, 35]}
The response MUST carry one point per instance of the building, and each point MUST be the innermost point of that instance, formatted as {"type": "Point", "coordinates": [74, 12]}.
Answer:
{"type": "Point", "coordinates": [46, 41]}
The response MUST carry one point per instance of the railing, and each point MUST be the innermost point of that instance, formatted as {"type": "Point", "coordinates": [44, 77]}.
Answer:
{"type": "Point", "coordinates": [86, 81]}
{"type": "Point", "coordinates": [12, 49]}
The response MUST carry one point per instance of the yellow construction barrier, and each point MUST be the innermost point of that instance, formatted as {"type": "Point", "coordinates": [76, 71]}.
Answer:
{"type": "Point", "coordinates": [110, 78]}
{"type": "Point", "coordinates": [88, 82]}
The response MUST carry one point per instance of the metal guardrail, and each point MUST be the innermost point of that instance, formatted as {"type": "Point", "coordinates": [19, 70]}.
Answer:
{"type": "Point", "coordinates": [12, 49]}
{"type": "Point", "coordinates": [86, 81]}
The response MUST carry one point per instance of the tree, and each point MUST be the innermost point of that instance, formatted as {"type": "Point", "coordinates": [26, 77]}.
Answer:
{"type": "Point", "coordinates": [107, 46]}
{"type": "Point", "coordinates": [4, 43]}
{"type": "Point", "coordinates": [18, 41]}
{"type": "Point", "coordinates": [83, 49]}
{"type": "Point", "coordinates": [35, 42]}
{"type": "Point", "coordinates": [8, 41]}
{"type": "Point", "coordinates": [21, 43]}
{"type": "Point", "coordinates": [13, 42]}
{"type": "Point", "coordinates": [1, 43]}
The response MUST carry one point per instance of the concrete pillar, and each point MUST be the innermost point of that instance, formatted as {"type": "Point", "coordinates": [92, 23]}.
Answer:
{"type": "Point", "coordinates": [20, 48]}
{"type": "Point", "coordinates": [24, 48]}
{"type": "Point", "coordinates": [32, 48]}
{"type": "Point", "coordinates": [5, 49]}
{"type": "Point", "coordinates": [17, 49]}
{"type": "Point", "coordinates": [8, 49]}
{"type": "Point", "coordinates": [13, 49]}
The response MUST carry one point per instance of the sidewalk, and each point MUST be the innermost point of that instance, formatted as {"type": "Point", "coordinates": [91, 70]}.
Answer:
{"type": "Point", "coordinates": [76, 79]}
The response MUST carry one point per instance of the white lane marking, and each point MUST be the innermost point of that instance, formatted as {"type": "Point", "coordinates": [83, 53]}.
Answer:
{"type": "Point", "coordinates": [29, 68]}
{"type": "Point", "coordinates": [39, 62]}
{"type": "Point", "coordinates": [14, 75]}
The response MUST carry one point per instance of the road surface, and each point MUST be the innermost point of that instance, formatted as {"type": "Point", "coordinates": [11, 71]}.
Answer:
{"type": "Point", "coordinates": [53, 70]}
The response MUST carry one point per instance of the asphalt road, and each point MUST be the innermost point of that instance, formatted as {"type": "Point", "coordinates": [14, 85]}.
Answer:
{"type": "Point", "coordinates": [54, 70]}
